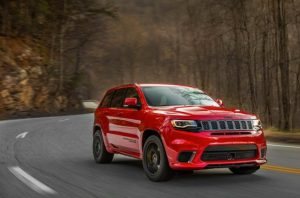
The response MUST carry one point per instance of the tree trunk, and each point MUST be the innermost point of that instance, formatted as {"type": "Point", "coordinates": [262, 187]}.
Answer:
{"type": "Point", "coordinates": [296, 98]}
{"type": "Point", "coordinates": [61, 58]}
{"type": "Point", "coordinates": [283, 63]}
{"type": "Point", "coordinates": [266, 80]}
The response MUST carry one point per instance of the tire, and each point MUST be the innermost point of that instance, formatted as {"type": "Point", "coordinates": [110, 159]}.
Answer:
{"type": "Point", "coordinates": [101, 155]}
{"type": "Point", "coordinates": [244, 170]}
{"type": "Point", "coordinates": [155, 161]}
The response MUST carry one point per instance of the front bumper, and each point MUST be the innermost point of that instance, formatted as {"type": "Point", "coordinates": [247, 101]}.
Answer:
{"type": "Point", "coordinates": [177, 142]}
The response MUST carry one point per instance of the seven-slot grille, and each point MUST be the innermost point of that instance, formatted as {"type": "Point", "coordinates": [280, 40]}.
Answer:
{"type": "Point", "coordinates": [226, 124]}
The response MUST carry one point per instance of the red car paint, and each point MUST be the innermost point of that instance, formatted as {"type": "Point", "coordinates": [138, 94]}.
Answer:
{"type": "Point", "coordinates": [124, 128]}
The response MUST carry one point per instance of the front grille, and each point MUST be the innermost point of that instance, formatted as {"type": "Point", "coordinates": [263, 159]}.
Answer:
{"type": "Point", "coordinates": [231, 133]}
{"type": "Point", "coordinates": [230, 152]}
{"type": "Point", "coordinates": [226, 125]}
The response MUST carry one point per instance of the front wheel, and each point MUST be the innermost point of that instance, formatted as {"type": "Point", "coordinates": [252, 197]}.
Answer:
{"type": "Point", "coordinates": [244, 170]}
{"type": "Point", "coordinates": [101, 155]}
{"type": "Point", "coordinates": [155, 161]}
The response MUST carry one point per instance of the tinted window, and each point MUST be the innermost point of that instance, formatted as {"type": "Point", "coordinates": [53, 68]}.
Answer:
{"type": "Point", "coordinates": [118, 98]}
{"type": "Point", "coordinates": [132, 93]}
{"type": "Point", "coordinates": [106, 100]}
{"type": "Point", "coordinates": [176, 95]}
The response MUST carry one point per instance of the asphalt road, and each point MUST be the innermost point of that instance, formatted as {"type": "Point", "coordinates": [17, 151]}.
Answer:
{"type": "Point", "coordinates": [51, 157]}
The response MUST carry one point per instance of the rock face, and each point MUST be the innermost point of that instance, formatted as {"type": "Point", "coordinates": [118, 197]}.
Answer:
{"type": "Point", "coordinates": [26, 84]}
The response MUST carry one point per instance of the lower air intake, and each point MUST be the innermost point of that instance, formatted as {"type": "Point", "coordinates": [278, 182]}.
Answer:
{"type": "Point", "coordinates": [185, 156]}
{"type": "Point", "coordinates": [231, 152]}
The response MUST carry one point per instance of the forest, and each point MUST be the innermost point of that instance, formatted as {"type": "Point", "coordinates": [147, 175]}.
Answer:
{"type": "Point", "coordinates": [245, 52]}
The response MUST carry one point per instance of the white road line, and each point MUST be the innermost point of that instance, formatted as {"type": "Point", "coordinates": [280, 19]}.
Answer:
{"type": "Point", "coordinates": [283, 146]}
{"type": "Point", "coordinates": [22, 135]}
{"type": "Point", "coordinates": [30, 181]}
{"type": "Point", "coordinates": [63, 120]}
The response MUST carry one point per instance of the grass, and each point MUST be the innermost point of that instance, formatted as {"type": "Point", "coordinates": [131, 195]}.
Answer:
{"type": "Point", "coordinates": [276, 130]}
{"type": "Point", "coordinates": [275, 134]}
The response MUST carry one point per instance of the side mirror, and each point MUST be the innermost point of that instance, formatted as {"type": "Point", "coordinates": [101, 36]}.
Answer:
{"type": "Point", "coordinates": [220, 102]}
{"type": "Point", "coordinates": [130, 103]}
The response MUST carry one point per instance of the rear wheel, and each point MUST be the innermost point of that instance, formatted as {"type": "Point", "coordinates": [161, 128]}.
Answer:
{"type": "Point", "coordinates": [155, 161]}
{"type": "Point", "coordinates": [244, 170]}
{"type": "Point", "coordinates": [101, 155]}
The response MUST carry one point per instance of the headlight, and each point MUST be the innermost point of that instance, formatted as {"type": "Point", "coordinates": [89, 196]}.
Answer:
{"type": "Point", "coordinates": [257, 125]}
{"type": "Point", "coordinates": [186, 125]}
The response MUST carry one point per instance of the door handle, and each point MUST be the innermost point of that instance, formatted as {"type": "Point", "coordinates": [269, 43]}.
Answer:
{"type": "Point", "coordinates": [120, 113]}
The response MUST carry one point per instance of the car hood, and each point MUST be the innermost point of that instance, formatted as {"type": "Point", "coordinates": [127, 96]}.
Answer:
{"type": "Point", "coordinates": [203, 112]}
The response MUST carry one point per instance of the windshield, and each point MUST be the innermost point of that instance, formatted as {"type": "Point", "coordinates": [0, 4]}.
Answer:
{"type": "Point", "coordinates": [176, 95]}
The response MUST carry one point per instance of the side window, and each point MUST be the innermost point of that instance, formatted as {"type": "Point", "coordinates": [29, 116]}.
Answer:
{"type": "Point", "coordinates": [107, 99]}
{"type": "Point", "coordinates": [132, 93]}
{"type": "Point", "coordinates": [118, 98]}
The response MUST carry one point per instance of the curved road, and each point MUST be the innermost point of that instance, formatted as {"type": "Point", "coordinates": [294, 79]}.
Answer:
{"type": "Point", "coordinates": [51, 157]}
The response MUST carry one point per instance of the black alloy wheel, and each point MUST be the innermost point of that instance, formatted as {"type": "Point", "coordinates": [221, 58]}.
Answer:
{"type": "Point", "coordinates": [155, 161]}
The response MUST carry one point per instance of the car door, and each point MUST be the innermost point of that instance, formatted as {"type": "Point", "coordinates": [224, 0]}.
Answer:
{"type": "Point", "coordinates": [102, 113]}
{"type": "Point", "coordinates": [131, 122]}
{"type": "Point", "coordinates": [124, 122]}
{"type": "Point", "coordinates": [114, 117]}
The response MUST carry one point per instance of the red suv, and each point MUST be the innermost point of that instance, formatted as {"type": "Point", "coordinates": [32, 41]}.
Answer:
{"type": "Point", "coordinates": [174, 127]}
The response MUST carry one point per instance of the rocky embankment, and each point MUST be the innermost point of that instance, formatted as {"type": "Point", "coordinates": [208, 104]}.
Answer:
{"type": "Point", "coordinates": [27, 83]}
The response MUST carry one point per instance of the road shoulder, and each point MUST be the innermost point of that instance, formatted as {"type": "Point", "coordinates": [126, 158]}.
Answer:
{"type": "Point", "coordinates": [285, 137]}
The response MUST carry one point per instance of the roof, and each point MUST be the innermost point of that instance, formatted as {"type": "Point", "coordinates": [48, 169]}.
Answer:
{"type": "Point", "coordinates": [161, 84]}
{"type": "Point", "coordinates": [147, 85]}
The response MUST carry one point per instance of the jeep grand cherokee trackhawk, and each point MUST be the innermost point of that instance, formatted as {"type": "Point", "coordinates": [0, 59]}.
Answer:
{"type": "Point", "coordinates": [172, 127]}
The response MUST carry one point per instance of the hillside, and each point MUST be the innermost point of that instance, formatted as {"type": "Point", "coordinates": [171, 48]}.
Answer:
{"type": "Point", "coordinates": [26, 85]}
{"type": "Point", "coordinates": [42, 54]}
